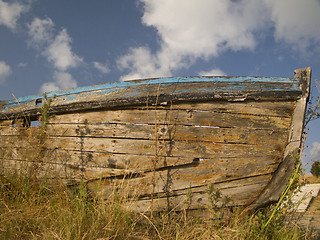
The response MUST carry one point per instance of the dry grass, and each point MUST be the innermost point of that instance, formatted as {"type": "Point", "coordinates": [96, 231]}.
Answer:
{"type": "Point", "coordinates": [308, 178]}
{"type": "Point", "coordinates": [32, 207]}
{"type": "Point", "coordinates": [36, 209]}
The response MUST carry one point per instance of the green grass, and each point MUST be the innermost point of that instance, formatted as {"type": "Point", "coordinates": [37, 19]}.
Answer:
{"type": "Point", "coordinates": [37, 209]}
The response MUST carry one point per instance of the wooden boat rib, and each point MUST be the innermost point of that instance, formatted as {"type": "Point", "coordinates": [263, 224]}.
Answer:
{"type": "Point", "coordinates": [165, 139]}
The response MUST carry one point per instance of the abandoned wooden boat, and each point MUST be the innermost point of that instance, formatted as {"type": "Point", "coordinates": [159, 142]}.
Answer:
{"type": "Point", "coordinates": [165, 140]}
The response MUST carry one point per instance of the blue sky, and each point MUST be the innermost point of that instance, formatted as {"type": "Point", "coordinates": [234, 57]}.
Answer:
{"type": "Point", "coordinates": [56, 44]}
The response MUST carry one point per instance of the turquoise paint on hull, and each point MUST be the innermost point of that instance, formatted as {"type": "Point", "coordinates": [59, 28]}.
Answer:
{"type": "Point", "coordinates": [106, 88]}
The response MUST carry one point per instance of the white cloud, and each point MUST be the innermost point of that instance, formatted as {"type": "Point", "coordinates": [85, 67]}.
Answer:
{"type": "Point", "coordinates": [48, 87]}
{"type": "Point", "coordinates": [5, 71]}
{"type": "Point", "coordinates": [59, 52]}
{"type": "Point", "coordinates": [22, 64]}
{"type": "Point", "coordinates": [40, 32]}
{"type": "Point", "coordinates": [103, 68]}
{"type": "Point", "coordinates": [296, 22]}
{"type": "Point", "coordinates": [202, 28]}
{"type": "Point", "coordinates": [212, 72]}
{"type": "Point", "coordinates": [63, 80]}
{"type": "Point", "coordinates": [141, 64]}
{"type": "Point", "coordinates": [315, 151]}
{"type": "Point", "coordinates": [193, 29]}
{"type": "Point", "coordinates": [10, 13]}
{"type": "Point", "coordinates": [57, 48]}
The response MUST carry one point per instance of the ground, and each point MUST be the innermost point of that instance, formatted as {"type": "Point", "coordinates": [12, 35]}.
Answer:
{"type": "Point", "coordinates": [311, 218]}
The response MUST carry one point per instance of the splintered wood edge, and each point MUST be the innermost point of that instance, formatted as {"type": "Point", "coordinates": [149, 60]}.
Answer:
{"type": "Point", "coordinates": [281, 178]}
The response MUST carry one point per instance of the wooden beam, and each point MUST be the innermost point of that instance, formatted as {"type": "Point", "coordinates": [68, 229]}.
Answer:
{"type": "Point", "coordinates": [275, 188]}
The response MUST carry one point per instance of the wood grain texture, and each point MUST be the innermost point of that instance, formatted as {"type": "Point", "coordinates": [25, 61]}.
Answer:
{"type": "Point", "coordinates": [197, 144]}
{"type": "Point", "coordinates": [238, 134]}
{"type": "Point", "coordinates": [240, 191]}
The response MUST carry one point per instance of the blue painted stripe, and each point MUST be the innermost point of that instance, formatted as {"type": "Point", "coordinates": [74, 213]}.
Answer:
{"type": "Point", "coordinates": [118, 86]}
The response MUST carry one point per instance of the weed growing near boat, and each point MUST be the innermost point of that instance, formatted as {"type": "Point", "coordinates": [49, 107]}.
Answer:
{"type": "Point", "coordinates": [44, 211]}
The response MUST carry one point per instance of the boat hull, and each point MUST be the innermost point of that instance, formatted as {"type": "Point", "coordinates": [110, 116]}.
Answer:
{"type": "Point", "coordinates": [168, 145]}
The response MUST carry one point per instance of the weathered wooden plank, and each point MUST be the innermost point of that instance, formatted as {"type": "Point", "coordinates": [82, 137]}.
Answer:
{"type": "Point", "coordinates": [171, 183]}
{"type": "Point", "coordinates": [19, 141]}
{"type": "Point", "coordinates": [138, 129]}
{"type": "Point", "coordinates": [195, 174]}
{"type": "Point", "coordinates": [263, 108]}
{"type": "Point", "coordinates": [280, 180]}
{"type": "Point", "coordinates": [19, 130]}
{"type": "Point", "coordinates": [132, 161]}
{"type": "Point", "coordinates": [166, 132]}
{"type": "Point", "coordinates": [42, 169]}
{"type": "Point", "coordinates": [13, 130]}
{"type": "Point", "coordinates": [168, 146]}
{"type": "Point", "coordinates": [194, 117]}
{"type": "Point", "coordinates": [259, 108]}
{"type": "Point", "coordinates": [241, 192]}
{"type": "Point", "coordinates": [239, 196]}
{"type": "Point", "coordinates": [85, 160]}
{"type": "Point", "coordinates": [147, 130]}
{"type": "Point", "coordinates": [126, 161]}
{"type": "Point", "coordinates": [227, 169]}
{"type": "Point", "coordinates": [173, 179]}
{"type": "Point", "coordinates": [164, 148]}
